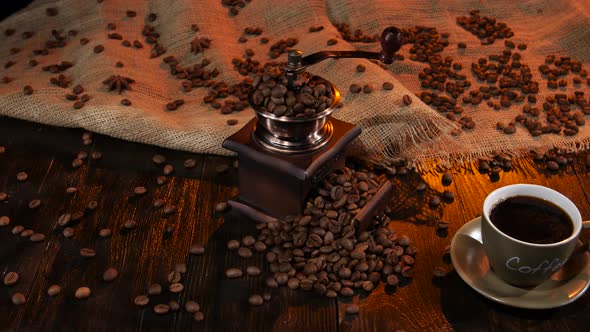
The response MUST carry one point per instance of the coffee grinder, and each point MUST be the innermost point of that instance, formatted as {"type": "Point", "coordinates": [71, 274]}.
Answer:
{"type": "Point", "coordinates": [282, 158]}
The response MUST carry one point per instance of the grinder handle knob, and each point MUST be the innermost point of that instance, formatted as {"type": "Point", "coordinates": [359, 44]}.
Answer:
{"type": "Point", "coordinates": [392, 40]}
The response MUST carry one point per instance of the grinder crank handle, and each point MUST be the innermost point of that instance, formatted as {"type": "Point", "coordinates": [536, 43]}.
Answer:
{"type": "Point", "coordinates": [391, 41]}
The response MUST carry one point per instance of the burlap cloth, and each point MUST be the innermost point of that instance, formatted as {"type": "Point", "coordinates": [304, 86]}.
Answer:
{"type": "Point", "coordinates": [390, 129]}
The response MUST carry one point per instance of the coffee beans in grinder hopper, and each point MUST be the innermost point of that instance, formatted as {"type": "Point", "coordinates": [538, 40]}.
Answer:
{"type": "Point", "coordinates": [272, 95]}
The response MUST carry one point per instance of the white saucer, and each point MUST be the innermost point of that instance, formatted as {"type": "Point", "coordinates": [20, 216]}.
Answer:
{"type": "Point", "coordinates": [471, 263]}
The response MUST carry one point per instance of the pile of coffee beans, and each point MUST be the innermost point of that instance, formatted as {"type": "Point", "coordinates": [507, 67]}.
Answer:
{"type": "Point", "coordinates": [321, 250]}
{"type": "Point", "coordinates": [561, 68]}
{"type": "Point", "coordinates": [356, 35]}
{"type": "Point", "coordinates": [272, 95]}
{"type": "Point", "coordinates": [486, 28]}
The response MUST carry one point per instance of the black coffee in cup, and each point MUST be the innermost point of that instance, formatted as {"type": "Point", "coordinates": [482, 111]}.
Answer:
{"type": "Point", "coordinates": [531, 219]}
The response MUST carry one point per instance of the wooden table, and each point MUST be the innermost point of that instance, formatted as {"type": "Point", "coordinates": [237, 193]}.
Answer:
{"type": "Point", "coordinates": [148, 253]}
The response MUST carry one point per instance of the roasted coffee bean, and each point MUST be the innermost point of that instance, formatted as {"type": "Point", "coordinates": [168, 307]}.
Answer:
{"type": "Point", "coordinates": [161, 309]}
{"type": "Point", "coordinates": [233, 245]}
{"type": "Point", "coordinates": [332, 41]}
{"type": "Point", "coordinates": [92, 205]}
{"type": "Point", "coordinates": [461, 45]}
{"type": "Point", "coordinates": [259, 246]}
{"type": "Point", "coordinates": [27, 233]}
{"type": "Point", "coordinates": [352, 309]}
{"type": "Point", "coordinates": [387, 86]}
{"type": "Point", "coordinates": [233, 273]}
{"type": "Point", "coordinates": [110, 274]}
{"type": "Point", "coordinates": [22, 176]}
{"type": "Point", "coordinates": [68, 232]}
{"type": "Point", "coordinates": [197, 249]}
{"type": "Point", "coordinates": [176, 287]}
{"type": "Point", "coordinates": [199, 316]}
{"type": "Point", "coordinates": [3, 196]}
{"type": "Point", "coordinates": [169, 209]}
{"type": "Point", "coordinates": [158, 159]}
{"type": "Point", "coordinates": [155, 289]}
{"type": "Point", "coordinates": [407, 100]}
{"type": "Point", "coordinates": [168, 169]}
{"type": "Point", "coordinates": [355, 88]}
{"type": "Point", "coordinates": [190, 163]}
{"type": "Point", "coordinates": [448, 196]}
{"type": "Point", "coordinates": [87, 252]}
{"type": "Point", "coordinates": [139, 190]}
{"type": "Point", "coordinates": [18, 229]}
{"type": "Point", "coordinates": [28, 90]}
{"type": "Point", "coordinates": [442, 224]}
{"type": "Point", "coordinates": [98, 49]}
{"type": "Point", "coordinates": [141, 300]}
{"type": "Point", "coordinates": [71, 190]}
{"type": "Point", "coordinates": [37, 237]}
{"type": "Point", "coordinates": [248, 240]}
{"type": "Point", "coordinates": [130, 224]}
{"type": "Point", "coordinates": [346, 292]}
{"type": "Point", "coordinates": [105, 232]}
{"type": "Point", "coordinates": [360, 68]}
{"type": "Point", "coordinates": [34, 204]}
{"type": "Point", "coordinates": [293, 283]}
{"type": "Point", "coordinates": [244, 252]}
{"type": "Point", "coordinates": [253, 271]}
{"type": "Point", "coordinates": [53, 290]}
{"type": "Point", "coordinates": [221, 207]}
{"type": "Point", "coordinates": [76, 216]}
{"type": "Point", "coordinates": [434, 201]}
{"type": "Point", "coordinates": [11, 278]}
{"type": "Point", "coordinates": [82, 293]}
{"type": "Point", "coordinates": [255, 300]}
{"type": "Point", "coordinates": [174, 276]}
{"type": "Point", "coordinates": [18, 298]}
{"type": "Point", "coordinates": [4, 221]}
{"type": "Point", "coordinates": [368, 88]}
{"type": "Point", "coordinates": [192, 306]}
{"type": "Point", "coordinates": [447, 179]}
{"type": "Point", "coordinates": [96, 155]}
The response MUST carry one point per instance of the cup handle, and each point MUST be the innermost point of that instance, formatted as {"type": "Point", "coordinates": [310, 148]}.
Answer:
{"type": "Point", "coordinates": [586, 224]}
{"type": "Point", "coordinates": [585, 245]}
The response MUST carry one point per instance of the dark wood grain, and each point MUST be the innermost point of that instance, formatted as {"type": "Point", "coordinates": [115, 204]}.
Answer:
{"type": "Point", "coordinates": [146, 254]}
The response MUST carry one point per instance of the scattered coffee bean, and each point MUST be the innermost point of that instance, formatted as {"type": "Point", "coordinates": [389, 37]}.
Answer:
{"type": "Point", "coordinates": [98, 49]}
{"type": "Point", "coordinates": [53, 290]}
{"type": "Point", "coordinates": [139, 191]}
{"type": "Point", "coordinates": [387, 86]}
{"type": "Point", "coordinates": [110, 274]}
{"type": "Point", "coordinates": [248, 240]}
{"type": "Point", "coordinates": [355, 88]}
{"type": "Point", "coordinates": [168, 169]}
{"type": "Point", "coordinates": [190, 163]}
{"type": "Point", "coordinates": [4, 221]}
{"type": "Point", "coordinates": [92, 205]}
{"type": "Point", "coordinates": [244, 252]}
{"type": "Point", "coordinates": [27, 233]}
{"type": "Point", "coordinates": [22, 176]}
{"type": "Point", "coordinates": [441, 224]}
{"type": "Point", "coordinates": [125, 102]}
{"type": "Point", "coordinates": [199, 316]}
{"type": "Point", "coordinates": [176, 287]}
{"type": "Point", "coordinates": [18, 298]}
{"type": "Point", "coordinates": [368, 88]}
{"type": "Point", "coordinates": [34, 204]}
{"type": "Point", "coordinates": [161, 309]}
{"type": "Point", "coordinates": [158, 159]}
{"type": "Point", "coordinates": [233, 245]}
{"type": "Point", "coordinates": [141, 300]}
{"type": "Point", "coordinates": [28, 90]}
{"type": "Point", "coordinates": [233, 273]}
{"type": "Point", "coordinates": [447, 179]}
{"type": "Point", "coordinates": [255, 300]}
{"type": "Point", "coordinates": [197, 249]}
{"type": "Point", "coordinates": [37, 237]}
{"type": "Point", "coordinates": [130, 224]}
{"type": "Point", "coordinates": [407, 100]}
{"type": "Point", "coordinates": [434, 201]}
{"type": "Point", "coordinates": [174, 306]}
{"type": "Point", "coordinates": [18, 229]}
{"type": "Point", "coordinates": [448, 196]}
{"type": "Point", "coordinates": [68, 232]}
{"type": "Point", "coordinates": [155, 289]}
{"type": "Point", "coordinates": [360, 68]}
{"type": "Point", "coordinates": [105, 232]}
{"type": "Point", "coordinates": [96, 155]}
{"type": "Point", "coordinates": [552, 166]}
{"type": "Point", "coordinates": [82, 293]}
{"type": "Point", "coordinates": [3, 196]}
{"type": "Point", "coordinates": [232, 122]}
{"type": "Point", "coordinates": [174, 277]}
{"type": "Point", "coordinates": [192, 306]}
{"type": "Point", "coordinates": [87, 253]}
{"type": "Point", "coordinates": [11, 278]}
{"type": "Point", "coordinates": [221, 206]}
{"type": "Point", "coordinates": [462, 45]}
{"type": "Point", "coordinates": [253, 271]}
{"type": "Point", "coordinates": [332, 41]}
